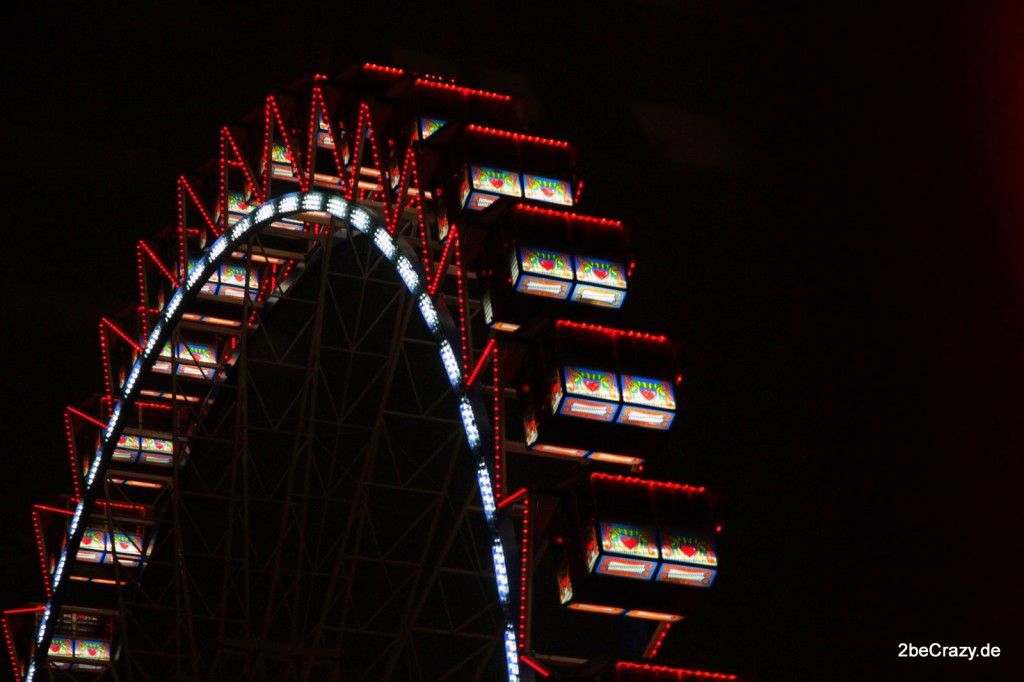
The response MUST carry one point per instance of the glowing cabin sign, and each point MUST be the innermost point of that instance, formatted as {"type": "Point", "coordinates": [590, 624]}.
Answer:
{"type": "Point", "coordinates": [429, 126]}
{"type": "Point", "coordinates": [539, 263]}
{"type": "Point", "coordinates": [644, 549]}
{"type": "Point", "coordinates": [230, 281]}
{"type": "Point", "coordinates": [189, 359]}
{"type": "Point", "coordinates": [577, 403]}
{"type": "Point", "coordinates": [547, 190]}
{"type": "Point", "coordinates": [102, 547]}
{"type": "Point", "coordinates": [138, 449]}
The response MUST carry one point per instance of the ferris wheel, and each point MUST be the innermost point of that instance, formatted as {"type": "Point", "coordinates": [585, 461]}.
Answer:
{"type": "Point", "coordinates": [371, 418]}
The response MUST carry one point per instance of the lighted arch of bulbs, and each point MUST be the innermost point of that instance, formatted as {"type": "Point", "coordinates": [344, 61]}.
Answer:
{"type": "Point", "coordinates": [408, 269]}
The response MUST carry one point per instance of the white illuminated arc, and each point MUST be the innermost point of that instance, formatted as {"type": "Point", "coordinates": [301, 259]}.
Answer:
{"type": "Point", "coordinates": [255, 221]}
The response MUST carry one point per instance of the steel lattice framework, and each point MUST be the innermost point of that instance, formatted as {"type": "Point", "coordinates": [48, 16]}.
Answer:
{"type": "Point", "coordinates": [298, 468]}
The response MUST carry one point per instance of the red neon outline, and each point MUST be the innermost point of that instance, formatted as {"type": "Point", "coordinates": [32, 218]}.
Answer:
{"type": "Point", "coordinates": [69, 433]}
{"type": "Point", "coordinates": [680, 672]}
{"type": "Point", "coordinates": [463, 91]}
{"type": "Point", "coordinates": [318, 97]}
{"type": "Point", "coordinates": [524, 562]}
{"type": "Point", "coordinates": [10, 642]}
{"type": "Point", "coordinates": [241, 162]}
{"type": "Point", "coordinates": [442, 264]}
{"type": "Point", "coordinates": [83, 415]}
{"type": "Point", "coordinates": [182, 182]}
{"type": "Point", "coordinates": [460, 280]}
{"type": "Point", "coordinates": [272, 102]}
{"type": "Point", "coordinates": [120, 333]}
{"type": "Point", "coordinates": [382, 69]}
{"type": "Point", "coordinates": [533, 664]}
{"type": "Point", "coordinates": [661, 638]}
{"type": "Point", "coordinates": [518, 137]}
{"type": "Point", "coordinates": [666, 485]}
{"type": "Point", "coordinates": [499, 484]}
{"type": "Point", "coordinates": [42, 553]}
{"type": "Point", "coordinates": [159, 264]}
{"type": "Point", "coordinates": [565, 215]}
{"type": "Point", "coordinates": [484, 357]}
{"type": "Point", "coordinates": [608, 331]}
{"type": "Point", "coordinates": [513, 497]}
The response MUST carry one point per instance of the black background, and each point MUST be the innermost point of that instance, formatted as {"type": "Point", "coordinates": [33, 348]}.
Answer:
{"type": "Point", "coordinates": [829, 213]}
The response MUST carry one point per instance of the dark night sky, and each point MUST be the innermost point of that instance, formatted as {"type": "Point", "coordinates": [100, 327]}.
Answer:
{"type": "Point", "coordinates": [833, 199]}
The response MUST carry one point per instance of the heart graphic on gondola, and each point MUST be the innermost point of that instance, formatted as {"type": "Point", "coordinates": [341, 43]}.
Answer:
{"type": "Point", "coordinates": [547, 191]}
{"type": "Point", "coordinates": [601, 274]}
{"type": "Point", "coordinates": [647, 393]}
{"type": "Point", "coordinates": [496, 183]}
{"type": "Point", "coordinates": [592, 385]}
{"type": "Point", "coordinates": [92, 652]}
{"type": "Point", "coordinates": [55, 648]}
{"type": "Point", "coordinates": [688, 550]}
{"type": "Point", "coordinates": [86, 540]}
{"type": "Point", "coordinates": [630, 542]}
{"type": "Point", "coordinates": [547, 263]}
{"type": "Point", "coordinates": [123, 545]}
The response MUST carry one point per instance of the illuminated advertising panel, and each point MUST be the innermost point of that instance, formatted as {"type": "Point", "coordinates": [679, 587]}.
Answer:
{"type": "Point", "coordinates": [530, 425]}
{"type": "Point", "coordinates": [691, 548]}
{"type": "Point", "coordinates": [540, 286]}
{"type": "Point", "coordinates": [495, 180]}
{"type": "Point", "coordinates": [603, 272]}
{"type": "Point", "coordinates": [626, 568]}
{"type": "Point", "coordinates": [589, 409]}
{"type": "Point", "coordinates": [556, 392]}
{"type": "Point", "coordinates": [237, 205]}
{"type": "Point", "coordinates": [648, 392]}
{"type": "Point", "coordinates": [194, 352]}
{"type": "Point", "coordinates": [279, 154]}
{"type": "Point", "coordinates": [326, 180]}
{"type": "Point", "coordinates": [590, 550]}
{"type": "Point", "coordinates": [128, 543]}
{"type": "Point", "coordinates": [648, 419]}
{"type": "Point", "coordinates": [429, 126]}
{"type": "Point", "coordinates": [560, 451]}
{"type": "Point", "coordinates": [234, 274]}
{"type": "Point", "coordinates": [597, 608]}
{"type": "Point", "coordinates": [546, 263]}
{"type": "Point", "coordinates": [686, 575]}
{"type": "Point", "coordinates": [654, 615]}
{"type": "Point", "coordinates": [612, 458]}
{"type": "Point", "coordinates": [622, 538]}
{"type": "Point", "coordinates": [591, 383]}
{"type": "Point", "coordinates": [95, 539]}
{"type": "Point", "coordinates": [61, 646]}
{"type": "Point", "coordinates": [144, 449]}
{"type": "Point", "coordinates": [598, 296]}
{"type": "Point", "coordinates": [93, 650]}
{"type": "Point", "coordinates": [564, 584]}
{"type": "Point", "coordinates": [547, 189]}
{"type": "Point", "coordinates": [157, 445]}
{"type": "Point", "coordinates": [281, 162]}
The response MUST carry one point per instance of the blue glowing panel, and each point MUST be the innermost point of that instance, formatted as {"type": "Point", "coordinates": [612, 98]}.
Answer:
{"type": "Point", "coordinates": [589, 409]}
{"type": "Point", "coordinates": [598, 296]}
{"type": "Point", "coordinates": [541, 286]}
{"type": "Point", "coordinates": [547, 189]}
{"type": "Point", "coordinates": [645, 418]}
{"type": "Point", "coordinates": [621, 567]}
{"type": "Point", "coordinates": [686, 575]}
{"type": "Point", "coordinates": [622, 538]}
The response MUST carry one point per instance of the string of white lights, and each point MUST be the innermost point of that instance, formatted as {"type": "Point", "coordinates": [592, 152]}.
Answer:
{"type": "Point", "coordinates": [276, 209]}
